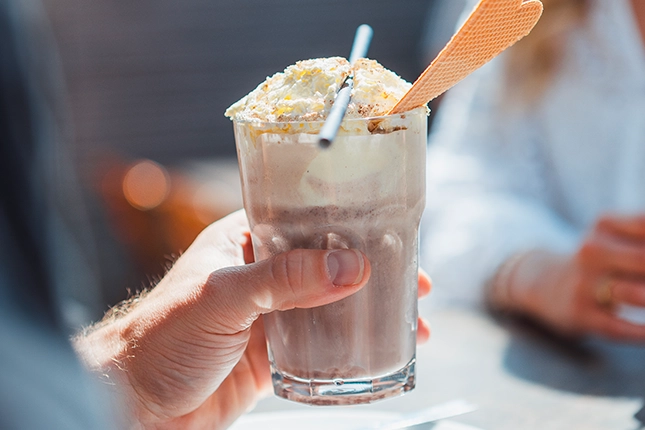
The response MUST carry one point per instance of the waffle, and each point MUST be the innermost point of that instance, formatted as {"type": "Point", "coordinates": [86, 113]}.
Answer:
{"type": "Point", "coordinates": [493, 26]}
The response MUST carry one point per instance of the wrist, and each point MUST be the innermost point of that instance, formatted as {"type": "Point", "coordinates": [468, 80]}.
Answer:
{"type": "Point", "coordinates": [521, 281]}
{"type": "Point", "coordinates": [103, 350]}
{"type": "Point", "coordinates": [99, 349]}
{"type": "Point", "coordinates": [500, 293]}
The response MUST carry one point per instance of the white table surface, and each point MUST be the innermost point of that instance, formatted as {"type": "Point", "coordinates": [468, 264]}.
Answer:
{"type": "Point", "coordinates": [520, 378]}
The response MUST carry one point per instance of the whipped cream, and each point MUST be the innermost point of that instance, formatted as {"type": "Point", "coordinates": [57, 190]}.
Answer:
{"type": "Point", "coordinates": [306, 91]}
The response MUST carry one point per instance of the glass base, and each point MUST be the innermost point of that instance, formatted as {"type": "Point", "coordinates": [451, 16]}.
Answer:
{"type": "Point", "coordinates": [343, 391]}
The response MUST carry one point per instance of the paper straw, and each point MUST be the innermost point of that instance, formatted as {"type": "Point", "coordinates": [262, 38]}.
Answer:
{"type": "Point", "coordinates": [329, 129]}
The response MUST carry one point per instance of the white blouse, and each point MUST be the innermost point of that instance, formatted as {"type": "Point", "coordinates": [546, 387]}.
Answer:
{"type": "Point", "coordinates": [503, 179]}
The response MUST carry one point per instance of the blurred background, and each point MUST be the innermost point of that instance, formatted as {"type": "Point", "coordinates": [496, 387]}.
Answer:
{"type": "Point", "coordinates": [147, 85]}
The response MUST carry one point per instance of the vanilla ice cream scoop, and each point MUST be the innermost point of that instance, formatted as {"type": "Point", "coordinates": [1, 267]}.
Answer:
{"type": "Point", "coordinates": [306, 91]}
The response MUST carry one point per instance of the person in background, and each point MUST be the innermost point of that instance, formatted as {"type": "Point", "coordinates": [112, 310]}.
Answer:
{"type": "Point", "coordinates": [536, 170]}
{"type": "Point", "coordinates": [190, 353]}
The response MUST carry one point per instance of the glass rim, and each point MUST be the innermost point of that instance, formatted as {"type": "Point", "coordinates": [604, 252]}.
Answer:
{"type": "Point", "coordinates": [424, 110]}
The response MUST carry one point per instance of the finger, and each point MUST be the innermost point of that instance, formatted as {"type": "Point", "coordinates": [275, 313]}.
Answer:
{"type": "Point", "coordinates": [425, 283]}
{"type": "Point", "coordinates": [628, 291]}
{"type": "Point", "coordinates": [627, 226]}
{"type": "Point", "coordinates": [249, 254]}
{"type": "Point", "coordinates": [607, 325]}
{"type": "Point", "coordinates": [612, 254]}
{"type": "Point", "coordinates": [224, 243]}
{"type": "Point", "coordinates": [238, 221]}
{"type": "Point", "coordinates": [256, 352]}
{"type": "Point", "coordinates": [301, 278]}
{"type": "Point", "coordinates": [423, 331]}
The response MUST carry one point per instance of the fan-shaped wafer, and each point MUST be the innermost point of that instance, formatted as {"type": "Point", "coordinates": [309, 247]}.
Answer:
{"type": "Point", "coordinates": [493, 26]}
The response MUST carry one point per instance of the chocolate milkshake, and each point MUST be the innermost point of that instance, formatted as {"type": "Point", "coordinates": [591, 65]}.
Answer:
{"type": "Point", "coordinates": [366, 192]}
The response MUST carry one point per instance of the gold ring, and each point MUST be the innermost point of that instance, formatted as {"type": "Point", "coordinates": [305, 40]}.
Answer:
{"type": "Point", "coordinates": [602, 291]}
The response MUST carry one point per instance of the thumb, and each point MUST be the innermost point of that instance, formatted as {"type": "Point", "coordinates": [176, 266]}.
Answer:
{"type": "Point", "coordinates": [301, 278]}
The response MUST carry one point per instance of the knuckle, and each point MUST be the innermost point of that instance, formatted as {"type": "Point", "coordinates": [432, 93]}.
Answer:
{"type": "Point", "coordinates": [279, 269]}
{"type": "Point", "coordinates": [629, 292]}
{"type": "Point", "coordinates": [640, 258]}
{"type": "Point", "coordinates": [634, 259]}
{"type": "Point", "coordinates": [288, 273]}
{"type": "Point", "coordinates": [295, 268]}
{"type": "Point", "coordinates": [604, 223]}
{"type": "Point", "coordinates": [589, 250]}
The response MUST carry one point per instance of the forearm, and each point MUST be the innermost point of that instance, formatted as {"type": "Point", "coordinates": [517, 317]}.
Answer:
{"type": "Point", "coordinates": [481, 233]}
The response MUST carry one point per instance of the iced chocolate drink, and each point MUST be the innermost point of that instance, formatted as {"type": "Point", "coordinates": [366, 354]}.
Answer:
{"type": "Point", "coordinates": [367, 192]}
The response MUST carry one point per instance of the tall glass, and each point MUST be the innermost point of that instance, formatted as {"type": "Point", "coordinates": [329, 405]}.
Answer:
{"type": "Point", "coordinates": [366, 191]}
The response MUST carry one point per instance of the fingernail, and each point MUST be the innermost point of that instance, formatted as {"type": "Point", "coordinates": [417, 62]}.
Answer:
{"type": "Point", "coordinates": [345, 267]}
